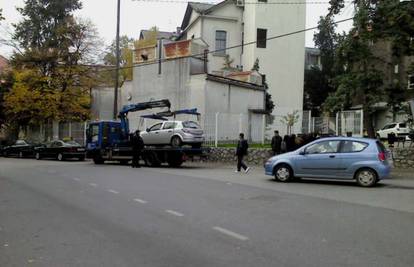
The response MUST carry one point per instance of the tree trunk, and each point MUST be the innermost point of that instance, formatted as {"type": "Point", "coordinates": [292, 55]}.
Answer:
{"type": "Point", "coordinates": [368, 124]}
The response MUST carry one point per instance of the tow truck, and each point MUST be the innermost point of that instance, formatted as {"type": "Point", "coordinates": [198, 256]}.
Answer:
{"type": "Point", "coordinates": [111, 141]}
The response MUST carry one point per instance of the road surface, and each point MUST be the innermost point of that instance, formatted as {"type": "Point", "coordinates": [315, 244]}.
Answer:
{"type": "Point", "coordinates": [80, 214]}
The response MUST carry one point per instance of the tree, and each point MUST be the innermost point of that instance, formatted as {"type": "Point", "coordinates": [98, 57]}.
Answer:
{"type": "Point", "coordinates": [290, 120]}
{"type": "Point", "coordinates": [318, 82]}
{"type": "Point", "coordinates": [362, 80]}
{"type": "Point", "coordinates": [52, 74]}
{"type": "Point", "coordinates": [126, 57]}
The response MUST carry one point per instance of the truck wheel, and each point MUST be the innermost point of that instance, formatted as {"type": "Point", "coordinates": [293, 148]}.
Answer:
{"type": "Point", "coordinates": [176, 141]}
{"type": "Point", "coordinates": [175, 162]}
{"type": "Point", "coordinates": [153, 160]}
{"type": "Point", "coordinates": [98, 160]}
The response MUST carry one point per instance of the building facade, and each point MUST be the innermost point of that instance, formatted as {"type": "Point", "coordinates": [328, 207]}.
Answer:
{"type": "Point", "coordinates": [245, 29]}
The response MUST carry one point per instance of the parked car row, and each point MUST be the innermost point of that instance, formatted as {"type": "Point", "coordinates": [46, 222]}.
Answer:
{"type": "Point", "coordinates": [57, 149]}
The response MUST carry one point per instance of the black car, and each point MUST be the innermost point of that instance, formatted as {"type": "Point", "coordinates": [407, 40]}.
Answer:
{"type": "Point", "coordinates": [21, 149]}
{"type": "Point", "coordinates": [60, 150]}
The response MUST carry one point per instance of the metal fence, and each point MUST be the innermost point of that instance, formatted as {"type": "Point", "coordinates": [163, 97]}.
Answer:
{"type": "Point", "coordinates": [348, 121]}
{"type": "Point", "coordinates": [224, 128]}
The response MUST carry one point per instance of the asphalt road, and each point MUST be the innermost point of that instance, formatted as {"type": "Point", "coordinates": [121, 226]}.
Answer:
{"type": "Point", "coordinates": [80, 214]}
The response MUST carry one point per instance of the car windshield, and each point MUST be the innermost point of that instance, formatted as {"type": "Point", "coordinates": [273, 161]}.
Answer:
{"type": "Point", "coordinates": [403, 125]}
{"type": "Point", "coordinates": [191, 124]}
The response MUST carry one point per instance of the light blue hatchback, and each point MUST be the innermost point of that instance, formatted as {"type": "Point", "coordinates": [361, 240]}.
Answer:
{"type": "Point", "coordinates": [362, 159]}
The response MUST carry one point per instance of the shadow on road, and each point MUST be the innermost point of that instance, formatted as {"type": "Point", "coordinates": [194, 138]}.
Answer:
{"type": "Point", "coordinates": [349, 183]}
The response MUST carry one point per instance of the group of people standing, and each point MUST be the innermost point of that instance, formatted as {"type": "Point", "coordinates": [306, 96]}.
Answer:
{"type": "Point", "coordinates": [290, 142]}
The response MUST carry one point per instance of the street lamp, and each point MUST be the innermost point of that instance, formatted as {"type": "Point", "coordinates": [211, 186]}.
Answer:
{"type": "Point", "coordinates": [117, 61]}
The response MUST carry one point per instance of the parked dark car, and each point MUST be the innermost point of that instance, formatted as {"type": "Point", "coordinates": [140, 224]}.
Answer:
{"type": "Point", "coordinates": [21, 149]}
{"type": "Point", "coordinates": [60, 150]}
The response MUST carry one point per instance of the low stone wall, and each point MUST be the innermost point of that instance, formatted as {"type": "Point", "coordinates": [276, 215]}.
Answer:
{"type": "Point", "coordinates": [403, 158]}
{"type": "Point", "coordinates": [256, 156]}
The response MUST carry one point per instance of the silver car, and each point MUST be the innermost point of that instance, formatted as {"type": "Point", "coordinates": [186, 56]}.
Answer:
{"type": "Point", "coordinates": [174, 133]}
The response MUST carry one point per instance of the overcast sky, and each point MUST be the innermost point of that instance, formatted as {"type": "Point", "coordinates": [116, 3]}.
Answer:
{"type": "Point", "coordinates": [136, 15]}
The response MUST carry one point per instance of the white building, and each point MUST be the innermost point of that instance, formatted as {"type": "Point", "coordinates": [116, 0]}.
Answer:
{"type": "Point", "coordinates": [232, 23]}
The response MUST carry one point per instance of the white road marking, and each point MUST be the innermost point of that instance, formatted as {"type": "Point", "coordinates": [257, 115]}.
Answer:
{"type": "Point", "coordinates": [174, 213]}
{"type": "Point", "coordinates": [230, 233]}
{"type": "Point", "coordinates": [76, 179]}
{"type": "Point", "coordinates": [113, 191]}
{"type": "Point", "coordinates": [92, 184]}
{"type": "Point", "coordinates": [6, 245]}
{"type": "Point", "coordinates": [140, 200]}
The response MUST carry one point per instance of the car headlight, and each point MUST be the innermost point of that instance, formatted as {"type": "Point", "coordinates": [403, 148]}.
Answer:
{"type": "Point", "coordinates": [268, 162]}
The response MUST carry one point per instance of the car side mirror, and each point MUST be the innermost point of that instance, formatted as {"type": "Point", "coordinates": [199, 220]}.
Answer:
{"type": "Point", "coordinates": [147, 130]}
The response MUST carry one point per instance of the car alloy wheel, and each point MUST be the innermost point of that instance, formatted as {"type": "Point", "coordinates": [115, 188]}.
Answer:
{"type": "Point", "coordinates": [20, 154]}
{"type": "Point", "coordinates": [176, 141]}
{"type": "Point", "coordinates": [37, 155]}
{"type": "Point", "coordinates": [60, 157]}
{"type": "Point", "coordinates": [283, 173]}
{"type": "Point", "coordinates": [366, 177]}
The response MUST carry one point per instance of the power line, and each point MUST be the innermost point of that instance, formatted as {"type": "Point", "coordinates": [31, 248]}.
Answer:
{"type": "Point", "coordinates": [244, 3]}
{"type": "Point", "coordinates": [227, 48]}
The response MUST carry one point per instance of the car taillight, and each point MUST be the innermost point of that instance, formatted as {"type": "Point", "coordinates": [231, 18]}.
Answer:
{"type": "Point", "coordinates": [382, 156]}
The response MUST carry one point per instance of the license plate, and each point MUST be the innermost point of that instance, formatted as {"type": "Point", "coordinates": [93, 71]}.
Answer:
{"type": "Point", "coordinates": [81, 149]}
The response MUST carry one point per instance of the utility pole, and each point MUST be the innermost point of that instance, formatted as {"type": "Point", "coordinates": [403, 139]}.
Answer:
{"type": "Point", "coordinates": [118, 55]}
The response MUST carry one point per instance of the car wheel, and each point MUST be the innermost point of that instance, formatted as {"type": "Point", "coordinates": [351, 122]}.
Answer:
{"type": "Point", "coordinates": [283, 173]}
{"type": "Point", "coordinates": [176, 141]}
{"type": "Point", "coordinates": [60, 157]}
{"type": "Point", "coordinates": [20, 154]}
{"type": "Point", "coordinates": [37, 156]}
{"type": "Point", "coordinates": [366, 177]}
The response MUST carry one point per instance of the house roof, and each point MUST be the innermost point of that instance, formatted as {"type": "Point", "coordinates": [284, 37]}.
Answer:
{"type": "Point", "coordinates": [221, 79]}
{"type": "Point", "coordinates": [160, 34]}
{"type": "Point", "coordinates": [197, 7]}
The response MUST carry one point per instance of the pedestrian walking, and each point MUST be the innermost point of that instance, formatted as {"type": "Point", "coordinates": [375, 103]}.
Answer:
{"type": "Point", "coordinates": [241, 151]}
{"type": "Point", "coordinates": [137, 147]}
{"type": "Point", "coordinates": [276, 143]}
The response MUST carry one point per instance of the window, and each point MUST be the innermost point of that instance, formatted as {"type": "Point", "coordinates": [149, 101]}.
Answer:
{"type": "Point", "coordinates": [330, 146]}
{"type": "Point", "coordinates": [156, 127]}
{"type": "Point", "coordinates": [263, 1]}
{"type": "Point", "coordinates": [353, 146]}
{"type": "Point", "coordinates": [191, 125]}
{"type": "Point", "coordinates": [261, 38]}
{"type": "Point", "coordinates": [169, 125]}
{"type": "Point", "coordinates": [410, 81]}
{"type": "Point", "coordinates": [402, 125]}
{"type": "Point", "coordinates": [221, 42]}
{"type": "Point", "coordinates": [389, 126]}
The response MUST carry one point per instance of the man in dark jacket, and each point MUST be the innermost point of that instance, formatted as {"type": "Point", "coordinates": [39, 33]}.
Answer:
{"type": "Point", "coordinates": [276, 143]}
{"type": "Point", "coordinates": [137, 147]}
{"type": "Point", "coordinates": [241, 151]}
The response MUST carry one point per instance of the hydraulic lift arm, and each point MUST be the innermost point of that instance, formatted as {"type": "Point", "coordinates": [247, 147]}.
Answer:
{"type": "Point", "coordinates": [123, 114]}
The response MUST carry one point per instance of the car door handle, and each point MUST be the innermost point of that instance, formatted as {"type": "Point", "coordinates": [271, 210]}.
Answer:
{"type": "Point", "coordinates": [332, 156]}
{"type": "Point", "coordinates": [170, 131]}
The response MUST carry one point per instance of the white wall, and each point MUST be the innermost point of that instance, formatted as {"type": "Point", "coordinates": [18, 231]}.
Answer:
{"type": "Point", "coordinates": [282, 61]}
